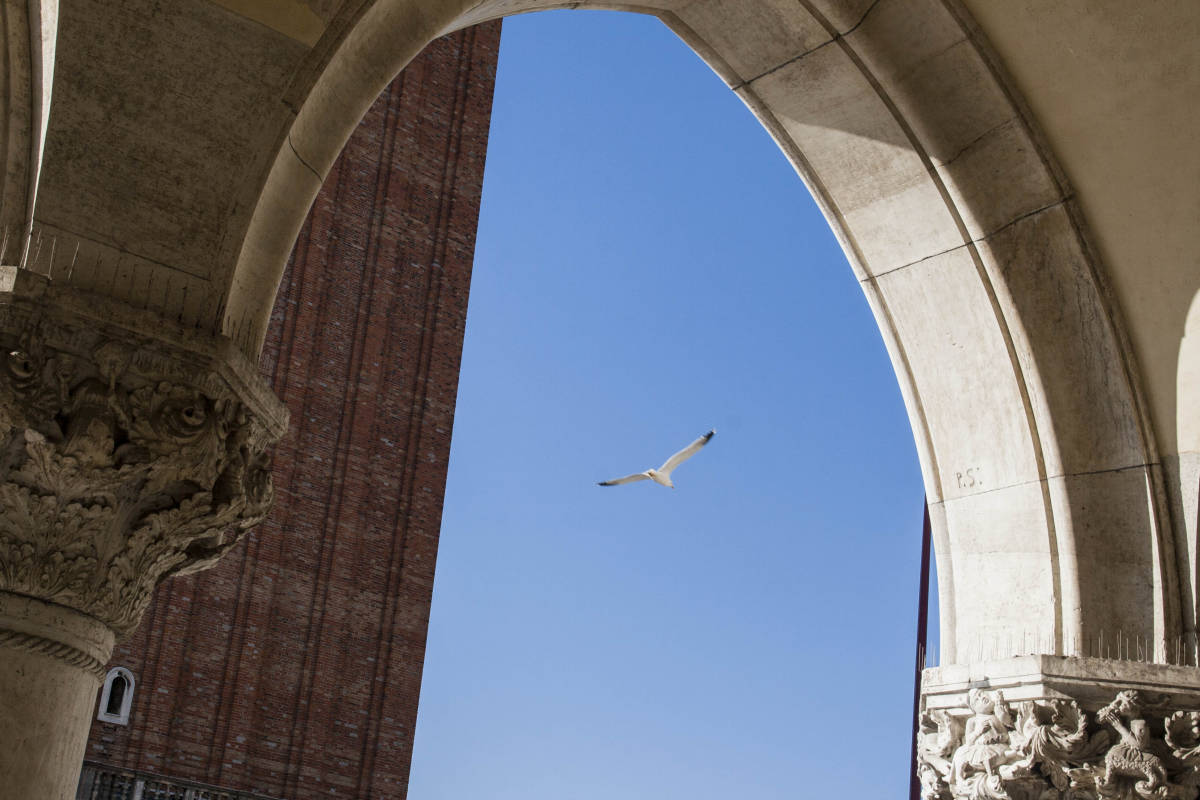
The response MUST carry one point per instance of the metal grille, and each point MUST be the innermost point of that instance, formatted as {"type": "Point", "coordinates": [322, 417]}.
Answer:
{"type": "Point", "coordinates": [102, 782]}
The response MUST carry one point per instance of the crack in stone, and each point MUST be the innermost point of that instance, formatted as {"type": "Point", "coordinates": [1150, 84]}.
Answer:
{"type": "Point", "coordinates": [1061, 475]}
{"type": "Point", "coordinates": [947, 162]}
{"type": "Point", "coordinates": [971, 243]}
{"type": "Point", "coordinates": [300, 158]}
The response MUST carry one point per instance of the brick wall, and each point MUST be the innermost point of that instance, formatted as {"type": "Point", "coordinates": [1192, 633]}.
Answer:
{"type": "Point", "coordinates": [293, 668]}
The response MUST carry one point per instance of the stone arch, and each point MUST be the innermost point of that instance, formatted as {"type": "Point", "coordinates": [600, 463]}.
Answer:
{"type": "Point", "coordinates": [28, 34]}
{"type": "Point", "coordinates": [1037, 456]}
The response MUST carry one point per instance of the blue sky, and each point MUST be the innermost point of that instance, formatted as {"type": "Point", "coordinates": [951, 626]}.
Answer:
{"type": "Point", "coordinates": [649, 266]}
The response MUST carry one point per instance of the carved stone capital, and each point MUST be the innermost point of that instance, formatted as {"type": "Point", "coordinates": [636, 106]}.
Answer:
{"type": "Point", "coordinates": [1054, 728]}
{"type": "Point", "coordinates": [130, 449]}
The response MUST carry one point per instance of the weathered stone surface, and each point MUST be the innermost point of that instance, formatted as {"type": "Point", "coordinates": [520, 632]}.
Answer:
{"type": "Point", "coordinates": [940, 312]}
{"type": "Point", "coordinates": [1076, 373]}
{"type": "Point", "coordinates": [1005, 567]}
{"type": "Point", "coordinates": [929, 68]}
{"type": "Point", "coordinates": [130, 449]}
{"type": "Point", "coordinates": [926, 161]}
{"type": "Point", "coordinates": [1044, 728]}
{"type": "Point", "coordinates": [1110, 86]}
{"type": "Point", "coordinates": [364, 349]}
{"type": "Point", "coordinates": [126, 457]}
{"type": "Point", "coordinates": [753, 41]}
{"type": "Point", "coordinates": [995, 180]}
{"type": "Point", "coordinates": [187, 140]}
{"type": "Point", "coordinates": [183, 95]}
{"type": "Point", "coordinates": [51, 662]}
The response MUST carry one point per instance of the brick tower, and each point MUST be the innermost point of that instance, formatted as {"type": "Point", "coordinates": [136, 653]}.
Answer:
{"type": "Point", "coordinates": [292, 669]}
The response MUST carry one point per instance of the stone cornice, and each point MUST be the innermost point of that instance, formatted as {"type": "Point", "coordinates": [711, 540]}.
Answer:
{"type": "Point", "coordinates": [213, 363]}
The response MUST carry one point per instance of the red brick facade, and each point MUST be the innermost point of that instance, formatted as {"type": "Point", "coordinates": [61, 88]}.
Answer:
{"type": "Point", "coordinates": [293, 668]}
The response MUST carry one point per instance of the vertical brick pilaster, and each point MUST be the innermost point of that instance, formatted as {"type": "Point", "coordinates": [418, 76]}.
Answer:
{"type": "Point", "coordinates": [293, 668]}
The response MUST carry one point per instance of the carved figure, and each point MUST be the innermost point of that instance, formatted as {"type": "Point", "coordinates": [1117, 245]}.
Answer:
{"type": "Point", "coordinates": [1051, 751]}
{"type": "Point", "coordinates": [1183, 737]}
{"type": "Point", "coordinates": [986, 739]}
{"type": "Point", "coordinates": [939, 737]}
{"type": "Point", "coordinates": [1053, 735]}
{"type": "Point", "coordinates": [1131, 757]}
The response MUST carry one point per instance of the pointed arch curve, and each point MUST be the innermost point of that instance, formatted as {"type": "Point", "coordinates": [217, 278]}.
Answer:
{"type": "Point", "coordinates": [1022, 394]}
{"type": "Point", "coordinates": [1046, 489]}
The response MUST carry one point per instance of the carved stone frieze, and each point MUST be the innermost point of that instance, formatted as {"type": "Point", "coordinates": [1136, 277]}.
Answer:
{"type": "Point", "coordinates": [130, 450]}
{"type": "Point", "coordinates": [1134, 748]}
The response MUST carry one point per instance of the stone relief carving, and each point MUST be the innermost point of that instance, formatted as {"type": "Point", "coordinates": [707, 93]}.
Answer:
{"type": "Point", "coordinates": [1052, 750]}
{"type": "Point", "coordinates": [123, 459]}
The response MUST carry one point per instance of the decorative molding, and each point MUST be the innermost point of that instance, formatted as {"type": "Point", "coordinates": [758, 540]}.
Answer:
{"type": "Point", "coordinates": [125, 456]}
{"type": "Point", "coordinates": [49, 647]}
{"type": "Point", "coordinates": [121, 715]}
{"type": "Point", "coordinates": [1136, 747]}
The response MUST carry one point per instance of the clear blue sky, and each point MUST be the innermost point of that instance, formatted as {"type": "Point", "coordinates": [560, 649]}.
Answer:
{"type": "Point", "coordinates": [648, 267]}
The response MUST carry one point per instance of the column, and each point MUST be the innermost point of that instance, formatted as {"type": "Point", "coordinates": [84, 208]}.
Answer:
{"type": "Point", "coordinates": [131, 449]}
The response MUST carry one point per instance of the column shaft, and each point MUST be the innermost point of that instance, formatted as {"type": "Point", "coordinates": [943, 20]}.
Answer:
{"type": "Point", "coordinates": [51, 664]}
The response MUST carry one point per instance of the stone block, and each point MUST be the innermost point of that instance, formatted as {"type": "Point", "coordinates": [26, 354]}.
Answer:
{"type": "Point", "coordinates": [865, 162]}
{"type": "Point", "coordinates": [924, 62]}
{"type": "Point", "coordinates": [958, 357]}
{"type": "Point", "coordinates": [997, 179]}
{"type": "Point", "coordinates": [753, 39]}
{"type": "Point", "coordinates": [1074, 368]}
{"type": "Point", "coordinates": [1107, 525]}
{"type": "Point", "coordinates": [1004, 565]}
{"type": "Point", "coordinates": [843, 15]}
{"type": "Point", "coordinates": [899, 36]}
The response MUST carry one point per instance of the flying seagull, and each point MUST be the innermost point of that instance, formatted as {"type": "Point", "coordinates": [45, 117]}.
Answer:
{"type": "Point", "coordinates": [662, 475]}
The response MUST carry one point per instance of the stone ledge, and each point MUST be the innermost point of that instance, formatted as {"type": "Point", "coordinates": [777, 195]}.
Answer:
{"type": "Point", "coordinates": [1091, 682]}
{"type": "Point", "coordinates": [27, 299]}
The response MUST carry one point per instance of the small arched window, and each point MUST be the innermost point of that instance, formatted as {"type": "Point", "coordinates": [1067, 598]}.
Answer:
{"type": "Point", "coordinates": [116, 697]}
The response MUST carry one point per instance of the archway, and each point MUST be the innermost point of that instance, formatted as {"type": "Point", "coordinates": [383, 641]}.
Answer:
{"type": "Point", "coordinates": [687, 643]}
{"type": "Point", "coordinates": [1020, 391]}
{"type": "Point", "coordinates": [1048, 499]}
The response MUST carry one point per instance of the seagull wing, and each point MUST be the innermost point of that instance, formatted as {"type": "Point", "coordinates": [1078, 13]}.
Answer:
{"type": "Point", "coordinates": [686, 453]}
{"type": "Point", "coordinates": [637, 476]}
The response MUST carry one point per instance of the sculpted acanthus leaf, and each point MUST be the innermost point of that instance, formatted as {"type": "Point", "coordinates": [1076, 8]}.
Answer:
{"type": "Point", "coordinates": [113, 476]}
{"type": "Point", "coordinates": [1051, 750]}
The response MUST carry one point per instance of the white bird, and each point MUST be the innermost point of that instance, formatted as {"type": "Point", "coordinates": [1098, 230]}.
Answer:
{"type": "Point", "coordinates": [662, 475]}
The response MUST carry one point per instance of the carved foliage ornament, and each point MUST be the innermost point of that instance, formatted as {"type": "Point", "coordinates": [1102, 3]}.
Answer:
{"type": "Point", "coordinates": [1052, 750]}
{"type": "Point", "coordinates": [122, 460]}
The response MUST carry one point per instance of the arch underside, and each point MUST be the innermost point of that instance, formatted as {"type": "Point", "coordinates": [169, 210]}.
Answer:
{"type": "Point", "coordinates": [177, 173]}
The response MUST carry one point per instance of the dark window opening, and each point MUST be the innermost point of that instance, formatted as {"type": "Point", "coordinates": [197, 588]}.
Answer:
{"type": "Point", "coordinates": [116, 694]}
